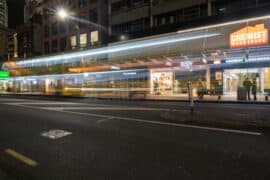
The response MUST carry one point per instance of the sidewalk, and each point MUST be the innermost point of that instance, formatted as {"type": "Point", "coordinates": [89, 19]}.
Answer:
{"type": "Point", "coordinates": [150, 97]}
{"type": "Point", "coordinates": [208, 98]}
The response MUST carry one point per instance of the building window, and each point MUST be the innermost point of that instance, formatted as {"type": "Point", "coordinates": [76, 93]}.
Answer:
{"type": "Point", "coordinates": [82, 3]}
{"type": "Point", "coordinates": [93, 15]}
{"type": "Point", "coordinates": [54, 46]}
{"type": "Point", "coordinates": [54, 28]}
{"type": "Point", "coordinates": [83, 40]}
{"type": "Point", "coordinates": [47, 47]}
{"type": "Point", "coordinates": [63, 44]}
{"type": "Point", "coordinates": [92, 1]}
{"type": "Point", "coordinates": [94, 38]}
{"type": "Point", "coordinates": [46, 31]}
{"type": "Point", "coordinates": [73, 42]}
{"type": "Point", "coordinates": [62, 27]}
{"type": "Point", "coordinates": [72, 4]}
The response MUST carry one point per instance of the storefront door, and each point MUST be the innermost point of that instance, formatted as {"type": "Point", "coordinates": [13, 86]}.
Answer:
{"type": "Point", "coordinates": [234, 78]}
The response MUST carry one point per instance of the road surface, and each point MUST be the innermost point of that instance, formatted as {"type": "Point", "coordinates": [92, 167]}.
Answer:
{"type": "Point", "coordinates": [113, 140]}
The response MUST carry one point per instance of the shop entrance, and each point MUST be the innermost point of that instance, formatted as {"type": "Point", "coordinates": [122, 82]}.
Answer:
{"type": "Point", "coordinates": [234, 78]}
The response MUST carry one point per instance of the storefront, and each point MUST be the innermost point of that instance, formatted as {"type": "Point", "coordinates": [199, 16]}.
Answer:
{"type": "Point", "coordinates": [217, 59]}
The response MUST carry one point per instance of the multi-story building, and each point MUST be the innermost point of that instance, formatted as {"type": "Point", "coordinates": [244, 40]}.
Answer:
{"type": "Point", "coordinates": [3, 13]}
{"type": "Point", "coordinates": [138, 18]}
{"type": "Point", "coordinates": [85, 26]}
{"type": "Point", "coordinates": [7, 45]}
{"type": "Point", "coordinates": [29, 34]}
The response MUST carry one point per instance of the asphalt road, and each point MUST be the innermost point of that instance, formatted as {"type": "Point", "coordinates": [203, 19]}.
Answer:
{"type": "Point", "coordinates": [122, 140]}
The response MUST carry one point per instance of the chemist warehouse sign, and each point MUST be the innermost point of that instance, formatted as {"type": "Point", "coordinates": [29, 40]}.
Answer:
{"type": "Point", "coordinates": [249, 36]}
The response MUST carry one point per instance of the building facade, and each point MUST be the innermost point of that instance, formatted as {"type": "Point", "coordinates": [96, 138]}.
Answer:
{"type": "Point", "coordinates": [130, 19]}
{"type": "Point", "coordinates": [30, 33]}
{"type": "Point", "coordinates": [84, 28]}
{"type": "Point", "coordinates": [3, 13]}
{"type": "Point", "coordinates": [8, 43]}
{"type": "Point", "coordinates": [217, 60]}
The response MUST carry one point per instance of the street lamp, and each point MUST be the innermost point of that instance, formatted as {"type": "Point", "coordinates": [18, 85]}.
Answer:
{"type": "Point", "coordinates": [62, 14]}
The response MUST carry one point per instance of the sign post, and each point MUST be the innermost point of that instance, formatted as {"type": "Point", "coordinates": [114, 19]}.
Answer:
{"type": "Point", "coordinates": [190, 95]}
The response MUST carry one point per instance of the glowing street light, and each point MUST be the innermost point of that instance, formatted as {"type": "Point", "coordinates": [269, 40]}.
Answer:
{"type": "Point", "coordinates": [62, 13]}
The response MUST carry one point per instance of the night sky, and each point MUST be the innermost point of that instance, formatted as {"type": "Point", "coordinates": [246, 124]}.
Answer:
{"type": "Point", "coordinates": [15, 12]}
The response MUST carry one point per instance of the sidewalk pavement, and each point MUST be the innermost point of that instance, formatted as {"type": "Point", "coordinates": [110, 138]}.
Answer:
{"type": "Point", "coordinates": [207, 98]}
{"type": "Point", "coordinates": [149, 97]}
{"type": "Point", "coordinates": [212, 117]}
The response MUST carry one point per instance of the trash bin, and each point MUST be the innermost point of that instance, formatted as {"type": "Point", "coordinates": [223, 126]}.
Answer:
{"type": "Point", "coordinates": [241, 94]}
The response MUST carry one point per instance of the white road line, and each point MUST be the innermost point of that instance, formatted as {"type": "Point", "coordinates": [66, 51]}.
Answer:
{"type": "Point", "coordinates": [168, 124]}
{"type": "Point", "coordinates": [103, 120]}
{"type": "Point", "coordinates": [153, 122]}
{"type": "Point", "coordinates": [111, 108]}
{"type": "Point", "coordinates": [42, 103]}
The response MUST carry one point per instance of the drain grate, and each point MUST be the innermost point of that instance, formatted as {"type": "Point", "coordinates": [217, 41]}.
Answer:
{"type": "Point", "coordinates": [56, 134]}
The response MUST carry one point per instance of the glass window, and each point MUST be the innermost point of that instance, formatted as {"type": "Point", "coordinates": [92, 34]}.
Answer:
{"type": "Point", "coordinates": [94, 38]}
{"type": "Point", "coordinates": [62, 27]}
{"type": "Point", "coordinates": [93, 15]}
{"type": "Point", "coordinates": [83, 40]}
{"type": "Point", "coordinates": [54, 28]}
{"type": "Point", "coordinates": [54, 46]}
{"type": "Point", "coordinates": [46, 31]}
{"type": "Point", "coordinates": [63, 44]}
{"type": "Point", "coordinates": [73, 42]}
{"type": "Point", "coordinates": [82, 3]}
{"type": "Point", "coordinates": [47, 47]}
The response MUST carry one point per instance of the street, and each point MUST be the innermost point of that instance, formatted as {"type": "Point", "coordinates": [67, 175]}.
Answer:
{"type": "Point", "coordinates": [55, 139]}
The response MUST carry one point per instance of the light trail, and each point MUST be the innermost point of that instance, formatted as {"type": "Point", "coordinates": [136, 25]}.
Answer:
{"type": "Point", "coordinates": [71, 57]}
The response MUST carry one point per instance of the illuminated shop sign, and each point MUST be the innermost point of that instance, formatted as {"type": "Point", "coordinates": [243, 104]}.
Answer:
{"type": "Point", "coordinates": [186, 64]}
{"type": "Point", "coordinates": [249, 36]}
{"type": "Point", "coordinates": [4, 75]}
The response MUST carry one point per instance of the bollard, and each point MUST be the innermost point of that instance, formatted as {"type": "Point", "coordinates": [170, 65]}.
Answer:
{"type": "Point", "coordinates": [190, 95]}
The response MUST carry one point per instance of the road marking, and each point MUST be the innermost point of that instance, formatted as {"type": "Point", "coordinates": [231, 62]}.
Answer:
{"type": "Point", "coordinates": [56, 134]}
{"type": "Point", "coordinates": [168, 124]}
{"type": "Point", "coordinates": [155, 122]}
{"type": "Point", "coordinates": [111, 108]}
{"type": "Point", "coordinates": [41, 103]}
{"type": "Point", "coordinates": [21, 158]}
{"type": "Point", "coordinates": [103, 120]}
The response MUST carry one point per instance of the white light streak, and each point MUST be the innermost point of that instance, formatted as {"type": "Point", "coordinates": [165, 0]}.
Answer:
{"type": "Point", "coordinates": [224, 24]}
{"type": "Point", "coordinates": [58, 59]}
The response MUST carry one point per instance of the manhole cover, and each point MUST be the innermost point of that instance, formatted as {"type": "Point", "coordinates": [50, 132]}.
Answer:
{"type": "Point", "coordinates": [55, 134]}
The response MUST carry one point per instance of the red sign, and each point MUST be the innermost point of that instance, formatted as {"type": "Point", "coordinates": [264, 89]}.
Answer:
{"type": "Point", "coordinates": [249, 36]}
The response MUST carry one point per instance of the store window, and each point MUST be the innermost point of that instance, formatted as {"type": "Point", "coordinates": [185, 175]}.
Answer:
{"type": "Point", "coordinates": [162, 83]}
{"type": "Point", "coordinates": [73, 42]}
{"type": "Point", "coordinates": [94, 38]}
{"type": "Point", "coordinates": [83, 40]}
